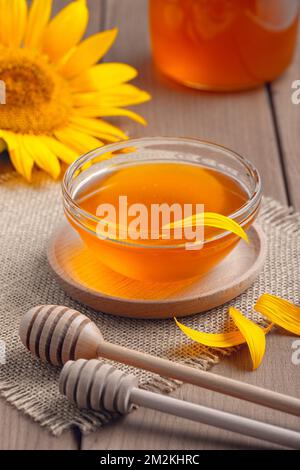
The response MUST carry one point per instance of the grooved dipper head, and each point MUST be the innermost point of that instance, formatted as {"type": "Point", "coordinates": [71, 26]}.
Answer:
{"type": "Point", "coordinates": [97, 386]}
{"type": "Point", "coordinates": [57, 334]}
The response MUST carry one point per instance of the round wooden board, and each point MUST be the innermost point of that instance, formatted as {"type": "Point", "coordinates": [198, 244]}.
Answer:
{"type": "Point", "coordinates": [97, 286]}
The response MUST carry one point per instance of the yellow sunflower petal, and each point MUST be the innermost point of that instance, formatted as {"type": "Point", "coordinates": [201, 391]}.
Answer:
{"type": "Point", "coordinates": [100, 134]}
{"type": "Point", "coordinates": [248, 332]}
{"type": "Point", "coordinates": [42, 155]}
{"type": "Point", "coordinates": [78, 141]}
{"type": "Point", "coordinates": [88, 53]}
{"type": "Point", "coordinates": [211, 219]}
{"type": "Point", "coordinates": [280, 311]}
{"type": "Point", "coordinates": [253, 334]}
{"type": "Point", "coordinates": [13, 23]}
{"type": "Point", "coordinates": [123, 95]}
{"type": "Point", "coordinates": [20, 158]}
{"type": "Point", "coordinates": [96, 127]}
{"type": "Point", "coordinates": [86, 99]}
{"type": "Point", "coordinates": [2, 22]}
{"type": "Point", "coordinates": [213, 340]}
{"type": "Point", "coordinates": [96, 111]}
{"type": "Point", "coordinates": [103, 76]}
{"type": "Point", "coordinates": [63, 152]}
{"type": "Point", "coordinates": [66, 30]}
{"type": "Point", "coordinates": [38, 19]}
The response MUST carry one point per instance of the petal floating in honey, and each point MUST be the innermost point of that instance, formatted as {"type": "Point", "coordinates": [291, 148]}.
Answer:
{"type": "Point", "coordinates": [210, 219]}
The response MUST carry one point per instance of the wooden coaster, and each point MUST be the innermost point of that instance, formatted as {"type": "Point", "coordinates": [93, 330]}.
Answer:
{"type": "Point", "coordinates": [95, 285]}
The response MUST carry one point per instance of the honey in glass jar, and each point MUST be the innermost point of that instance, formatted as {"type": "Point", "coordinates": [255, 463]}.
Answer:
{"type": "Point", "coordinates": [223, 44]}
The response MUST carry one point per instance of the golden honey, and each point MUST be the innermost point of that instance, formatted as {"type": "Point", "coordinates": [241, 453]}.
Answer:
{"type": "Point", "coordinates": [159, 172]}
{"type": "Point", "coordinates": [161, 183]}
{"type": "Point", "coordinates": [223, 44]}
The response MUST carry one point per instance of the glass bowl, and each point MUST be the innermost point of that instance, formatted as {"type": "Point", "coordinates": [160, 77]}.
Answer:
{"type": "Point", "coordinates": [159, 259]}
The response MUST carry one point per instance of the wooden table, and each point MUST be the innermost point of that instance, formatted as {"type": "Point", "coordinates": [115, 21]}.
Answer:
{"type": "Point", "coordinates": [263, 125]}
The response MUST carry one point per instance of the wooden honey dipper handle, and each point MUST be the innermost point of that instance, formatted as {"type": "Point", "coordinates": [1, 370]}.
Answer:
{"type": "Point", "coordinates": [204, 379]}
{"type": "Point", "coordinates": [101, 387]}
{"type": "Point", "coordinates": [58, 334]}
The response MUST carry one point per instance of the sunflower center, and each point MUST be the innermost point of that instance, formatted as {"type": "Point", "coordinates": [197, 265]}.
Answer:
{"type": "Point", "coordinates": [38, 99]}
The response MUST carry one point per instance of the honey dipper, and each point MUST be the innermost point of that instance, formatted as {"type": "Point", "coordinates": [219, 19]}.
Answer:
{"type": "Point", "coordinates": [100, 387]}
{"type": "Point", "coordinates": [57, 334]}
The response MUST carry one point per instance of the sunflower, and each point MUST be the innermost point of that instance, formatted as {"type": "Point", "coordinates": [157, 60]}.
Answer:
{"type": "Point", "coordinates": [56, 91]}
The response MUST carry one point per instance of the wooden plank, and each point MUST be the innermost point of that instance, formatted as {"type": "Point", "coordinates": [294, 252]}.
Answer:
{"type": "Point", "coordinates": [244, 122]}
{"type": "Point", "coordinates": [287, 116]}
{"type": "Point", "coordinates": [146, 429]}
{"type": "Point", "coordinates": [96, 8]}
{"type": "Point", "coordinates": [19, 432]}
{"type": "Point", "coordinates": [16, 430]}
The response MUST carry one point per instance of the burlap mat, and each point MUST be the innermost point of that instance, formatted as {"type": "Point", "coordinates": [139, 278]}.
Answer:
{"type": "Point", "coordinates": [29, 214]}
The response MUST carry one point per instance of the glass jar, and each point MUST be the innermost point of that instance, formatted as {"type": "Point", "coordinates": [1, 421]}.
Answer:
{"type": "Point", "coordinates": [223, 44]}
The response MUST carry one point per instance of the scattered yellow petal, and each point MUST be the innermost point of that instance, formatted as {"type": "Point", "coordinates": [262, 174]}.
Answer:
{"type": "Point", "coordinates": [280, 311]}
{"type": "Point", "coordinates": [213, 340]}
{"type": "Point", "coordinates": [103, 76]}
{"type": "Point", "coordinates": [39, 15]}
{"type": "Point", "coordinates": [88, 53]}
{"type": "Point", "coordinates": [248, 332]}
{"type": "Point", "coordinates": [253, 334]}
{"type": "Point", "coordinates": [66, 30]}
{"type": "Point", "coordinates": [210, 219]}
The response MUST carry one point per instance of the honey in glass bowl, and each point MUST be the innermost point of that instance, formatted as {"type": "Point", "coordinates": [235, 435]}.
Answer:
{"type": "Point", "coordinates": [223, 44]}
{"type": "Point", "coordinates": [158, 171]}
